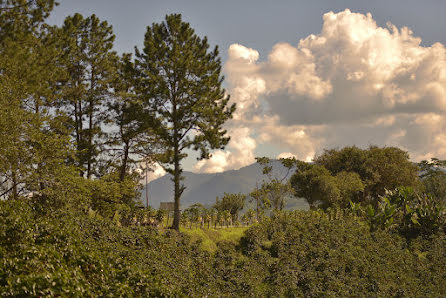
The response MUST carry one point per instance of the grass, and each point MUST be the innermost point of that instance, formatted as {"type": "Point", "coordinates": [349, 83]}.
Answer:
{"type": "Point", "coordinates": [210, 237]}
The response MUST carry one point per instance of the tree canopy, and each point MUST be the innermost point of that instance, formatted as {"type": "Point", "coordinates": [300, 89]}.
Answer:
{"type": "Point", "coordinates": [379, 168]}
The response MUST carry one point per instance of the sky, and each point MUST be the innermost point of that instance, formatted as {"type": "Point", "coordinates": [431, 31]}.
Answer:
{"type": "Point", "coordinates": [310, 75]}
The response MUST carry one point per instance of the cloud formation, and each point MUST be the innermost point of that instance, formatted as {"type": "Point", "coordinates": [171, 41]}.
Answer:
{"type": "Point", "coordinates": [241, 153]}
{"type": "Point", "coordinates": [354, 83]}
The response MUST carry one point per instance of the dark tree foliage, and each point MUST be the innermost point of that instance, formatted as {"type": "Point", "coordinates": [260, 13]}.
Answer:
{"type": "Point", "coordinates": [317, 254]}
{"type": "Point", "coordinates": [180, 84]}
{"type": "Point", "coordinates": [379, 168]}
{"type": "Point", "coordinates": [234, 203]}
{"type": "Point", "coordinates": [33, 145]}
{"type": "Point", "coordinates": [87, 44]}
{"type": "Point", "coordinates": [322, 189]}
{"type": "Point", "coordinates": [433, 177]}
{"type": "Point", "coordinates": [131, 140]}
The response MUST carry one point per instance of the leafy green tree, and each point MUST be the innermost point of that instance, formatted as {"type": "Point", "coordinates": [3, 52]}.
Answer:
{"type": "Point", "coordinates": [350, 185]}
{"type": "Point", "coordinates": [435, 185]}
{"type": "Point", "coordinates": [321, 189]}
{"type": "Point", "coordinates": [180, 85]}
{"type": "Point", "coordinates": [194, 212]}
{"type": "Point", "coordinates": [250, 216]}
{"type": "Point", "coordinates": [433, 177]}
{"type": "Point", "coordinates": [274, 189]}
{"type": "Point", "coordinates": [207, 217]}
{"type": "Point", "coordinates": [379, 168]}
{"type": "Point", "coordinates": [261, 200]}
{"type": "Point", "coordinates": [214, 216]}
{"type": "Point", "coordinates": [348, 159]}
{"type": "Point", "coordinates": [33, 146]}
{"type": "Point", "coordinates": [276, 192]}
{"type": "Point", "coordinates": [227, 216]}
{"type": "Point", "coordinates": [22, 17]}
{"type": "Point", "coordinates": [233, 203]}
{"type": "Point", "coordinates": [394, 169]}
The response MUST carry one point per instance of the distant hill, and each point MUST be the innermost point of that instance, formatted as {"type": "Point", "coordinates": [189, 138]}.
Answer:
{"type": "Point", "coordinates": [204, 188]}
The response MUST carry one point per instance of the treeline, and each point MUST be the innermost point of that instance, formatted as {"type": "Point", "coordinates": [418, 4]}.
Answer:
{"type": "Point", "coordinates": [65, 98]}
{"type": "Point", "coordinates": [71, 106]}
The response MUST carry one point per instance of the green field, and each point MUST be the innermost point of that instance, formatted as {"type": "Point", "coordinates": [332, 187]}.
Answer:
{"type": "Point", "coordinates": [209, 238]}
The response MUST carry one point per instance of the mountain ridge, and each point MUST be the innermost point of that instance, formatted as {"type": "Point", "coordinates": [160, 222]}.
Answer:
{"type": "Point", "coordinates": [204, 188]}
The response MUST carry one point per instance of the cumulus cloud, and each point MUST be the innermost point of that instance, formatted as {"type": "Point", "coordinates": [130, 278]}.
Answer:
{"type": "Point", "coordinates": [353, 83]}
{"type": "Point", "coordinates": [240, 153]}
{"type": "Point", "coordinates": [155, 171]}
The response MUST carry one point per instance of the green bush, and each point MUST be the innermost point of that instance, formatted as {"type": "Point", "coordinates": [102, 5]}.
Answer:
{"type": "Point", "coordinates": [73, 252]}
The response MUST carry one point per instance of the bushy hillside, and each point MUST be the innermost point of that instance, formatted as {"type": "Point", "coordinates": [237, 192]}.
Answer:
{"type": "Point", "coordinates": [314, 254]}
{"type": "Point", "coordinates": [291, 254]}
{"type": "Point", "coordinates": [83, 255]}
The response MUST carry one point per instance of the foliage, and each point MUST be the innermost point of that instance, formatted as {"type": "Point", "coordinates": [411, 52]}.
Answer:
{"type": "Point", "coordinates": [320, 188]}
{"type": "Point", "coordinates": [309, 254]}
{"type": "Point", "coordinates": [274, 189]}
{"type": "Point", "coordinates": [91, 65]}
{"type": "Point", "coordinates": [180, 84]}
{"type": "Point", "coordinates": [73, 251]}
{"type": "Point", "coordinates": [410, 213]}
{"type": "Point", "coordinates": [109, 195]}
{"type": "Point", "coordinates": [62, 234]}
{"type": "Point", "coordinates": [433, 177]}
{"type": "Point", "coordinates": [78, 255]}
{"type": "Point", "coordinates": [233, 203]}
{"type": "Point", "coordinates": [210, 239]}
{"type": "Point", "coordinates": [379, 168]}
{"type": "Point", "coordinates": [133, 141]}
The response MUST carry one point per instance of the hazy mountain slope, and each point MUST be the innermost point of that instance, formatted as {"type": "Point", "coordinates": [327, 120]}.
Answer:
{"type": "Point", "coordinates": [204, 188]}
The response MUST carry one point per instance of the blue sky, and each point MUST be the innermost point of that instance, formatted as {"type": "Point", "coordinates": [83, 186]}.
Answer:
{"type": "Point", "coordinates": [309, 75]}
{"type": "Point", "coordinates": [257, 24]}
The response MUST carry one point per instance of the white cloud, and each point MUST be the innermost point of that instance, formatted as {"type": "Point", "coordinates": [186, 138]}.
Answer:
{"type": "Point", "coordinates": [354, 83]}
{"type": "Point", "coordinates": [240, 153]}
{"type": "Point", "coordinates": [154, 172]}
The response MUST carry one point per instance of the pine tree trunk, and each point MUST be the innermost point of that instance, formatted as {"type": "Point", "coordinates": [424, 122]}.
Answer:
{"type": "Point", "coordinates": [177, 190]}
{"type": "Point", "coordinates": [78, 128]}
{"type": "Point", "coordinates": [90, 139]}
{"type": "Point", "coordinates": [124, 163]}
{"type": "Point", "coordinates": [15, 193]}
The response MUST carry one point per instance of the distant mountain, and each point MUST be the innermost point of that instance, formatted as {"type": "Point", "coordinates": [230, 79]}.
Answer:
{"type": "Point", "coordinates": [204, 188]}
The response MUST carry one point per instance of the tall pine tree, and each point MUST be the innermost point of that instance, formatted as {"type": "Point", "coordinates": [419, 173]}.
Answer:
{"type": "Point", "coordinates": [90, 62]}
{"type": "Point", "coordinates": [32, 147]}
{"type": "Point", "coordinates": [180, 84]}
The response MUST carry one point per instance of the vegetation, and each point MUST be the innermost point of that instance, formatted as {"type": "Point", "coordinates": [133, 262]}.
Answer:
{"type": "Point", "coordinates": [76, 120]}
{"type": "Point", "coordinates": [353, 174]}
{"type": "Point", "coordinates": [233, 203]}
{"type": "Point", "coordinates": [59, 252]}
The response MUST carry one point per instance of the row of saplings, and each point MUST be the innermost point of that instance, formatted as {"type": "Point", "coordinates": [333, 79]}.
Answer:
{"type": "Point", "coordinates": [225, 213]}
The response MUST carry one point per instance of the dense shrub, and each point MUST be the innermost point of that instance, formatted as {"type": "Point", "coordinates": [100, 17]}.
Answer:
{"type": "Point", "coordinates": [318, 256]}
{"type": "Point", "coordinates": [84, 256]}
{"type": "Point", "coordinates": [71, 252]}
